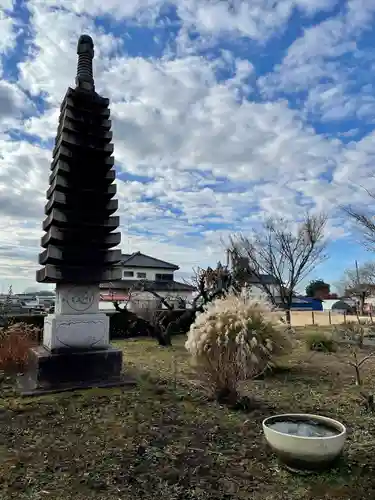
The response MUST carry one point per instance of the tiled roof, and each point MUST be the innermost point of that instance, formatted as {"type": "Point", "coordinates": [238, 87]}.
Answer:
{"type": "Point", "coordinates": [266, 279]}
{"type": "Point", "coordinates": [139, 259]}
{"type": "Point", "coordinates": [165, 286]}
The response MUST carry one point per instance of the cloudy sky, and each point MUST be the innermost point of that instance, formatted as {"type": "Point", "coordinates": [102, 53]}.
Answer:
{"type": "Point", "coordinates": [224, 111]}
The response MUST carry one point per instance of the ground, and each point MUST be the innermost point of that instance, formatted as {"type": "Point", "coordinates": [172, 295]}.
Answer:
{"type": "Point", "coordinates": [165, 439]}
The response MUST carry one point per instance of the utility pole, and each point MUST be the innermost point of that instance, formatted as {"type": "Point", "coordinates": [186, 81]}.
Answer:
{"type": "Point", "coordinates": [357, 271]}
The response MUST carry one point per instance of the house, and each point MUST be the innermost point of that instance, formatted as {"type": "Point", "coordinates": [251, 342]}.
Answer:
{"type": "Point", "coordinates": [140, 270]}
{"type": "Point", "coordinates": [299, 302]}
{"type": "Point", "coordinates": [341, 306]}
{"type": "Point", "coordinates": [256, 284]}
{"type": "Point", "coordinates": [257, 290]}
{"type": "Point", "coordinates": [306, 304]}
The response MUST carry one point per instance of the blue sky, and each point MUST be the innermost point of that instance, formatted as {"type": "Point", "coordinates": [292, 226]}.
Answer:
{"type": "Point", "coordinates": [224, 112]}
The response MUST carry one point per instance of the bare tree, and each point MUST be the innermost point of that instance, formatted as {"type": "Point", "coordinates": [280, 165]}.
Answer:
{"type": "Point", "coordinates": [146, 310]}
{"type": "Point", "coordinates": [360, 283]}
{"type": "Point", "coordinates": [209, 283]}
{"type": "Point", "coordinates": [136, 322]}
{"type": "Point", "coordinates": [365, 222]}
{"type": "Point", "coordinates": [286, 255]}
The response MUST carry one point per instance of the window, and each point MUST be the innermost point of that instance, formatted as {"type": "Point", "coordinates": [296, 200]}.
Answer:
{"type": "Point", "coordinates": [142, 276]}
{"type": "Point", "coordinates": [127, 274]}
{"type": "Point", "coordinates": [164, 277]}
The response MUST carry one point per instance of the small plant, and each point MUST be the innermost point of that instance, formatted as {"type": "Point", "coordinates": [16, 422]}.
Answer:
{"type": "Point", "coordinates": [353, 334]}
{"type": "Point", "coordinates": [371, 331]}
{"type": "Point", "coordinates": [15, 342]}
{"type": "Point", "coordinates": [234, 339]}
{"type": "Point", "coordinates": [5, 308]}
{"type": "Point", "coordinates": [321, 342]}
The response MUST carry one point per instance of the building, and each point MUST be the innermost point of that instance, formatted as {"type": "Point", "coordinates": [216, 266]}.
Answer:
{"type": "Point", "coordinates": [341, 306]}
{"type": "Point", "coordinates": [306, 304]}
{"type": "Point", "coordinates": [256, 284]}
{"type": "Point", "coordinates": [141, 271]}
{"type": "Point", "coordinates": [257, 290]}
{"type": "Point", "coordinates": [24, 303]}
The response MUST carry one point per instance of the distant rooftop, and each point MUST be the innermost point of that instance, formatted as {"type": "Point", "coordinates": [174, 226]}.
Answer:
{"type": "Point", "coordinates": [138, 259]}
{"type": "Point", "coordinates": [165, 286]}
{"type": "Point", "coordinates": [266, 279]}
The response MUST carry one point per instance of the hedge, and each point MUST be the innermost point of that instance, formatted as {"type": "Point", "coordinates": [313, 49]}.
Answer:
{"type": "Point", "coordinates": [117, 325]}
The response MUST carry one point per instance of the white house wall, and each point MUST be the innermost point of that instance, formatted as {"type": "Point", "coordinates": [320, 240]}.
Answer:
{"type": "Point", "coordinates": [150, 272]}
{"type": "Point", "coordinates": [256, 291]}
{"type": "Point", "coordinates": [144, 299]}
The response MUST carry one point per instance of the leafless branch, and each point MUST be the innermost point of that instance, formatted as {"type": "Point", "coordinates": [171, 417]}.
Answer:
{"type": "Point", "coordinates": [360, 283]}
{"type": "Point", "coordinates": [285, 255]}
{"type": "Point", "coordinates": [147, 287]}
{"type": "Point", "coordinates": [364, 220]}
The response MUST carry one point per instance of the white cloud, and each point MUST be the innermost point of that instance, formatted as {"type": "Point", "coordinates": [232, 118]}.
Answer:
{"type": "Point", "coordinates": [7, 28]}
{"type": "Point", "coordinates": [312, 65]}
{"type": "Point", "coordinates": [216, 158]}
{"type": "Point", "coordinates": [258, 20]}
{"type": "Point", "coordinates": [12, 102]}
{"type": "Point", "coordinates": [145, 9]}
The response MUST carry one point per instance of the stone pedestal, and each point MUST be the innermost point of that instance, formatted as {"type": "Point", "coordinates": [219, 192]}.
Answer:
{"type": "Point", "coordinates": [76, 353]}
{"type": "Point", "coordinates": [77, 322]}
{"type": "Point", "coordinates": [74, 331]}
{"type": "Point", "coordinates": [70, 369]}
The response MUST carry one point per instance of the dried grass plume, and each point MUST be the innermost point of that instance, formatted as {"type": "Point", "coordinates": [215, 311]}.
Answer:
{"type": "Point", "coordinates": [236, 338]}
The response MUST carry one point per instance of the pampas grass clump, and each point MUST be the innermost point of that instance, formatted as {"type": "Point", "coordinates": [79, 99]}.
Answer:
{"type": "Point", "coordinates": [236, 338]}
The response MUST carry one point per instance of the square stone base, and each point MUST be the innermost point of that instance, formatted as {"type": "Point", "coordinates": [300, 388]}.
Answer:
{"type": "Point", "coordinates": [71, 369]}
{"type": "Point", "coordinates": [76, 331]}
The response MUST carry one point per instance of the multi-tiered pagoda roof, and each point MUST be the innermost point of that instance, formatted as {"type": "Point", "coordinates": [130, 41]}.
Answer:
{"type": "Point", "coordinates": [80, 222]}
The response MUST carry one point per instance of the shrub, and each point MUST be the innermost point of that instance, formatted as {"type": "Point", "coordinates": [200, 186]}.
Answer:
{"type": "Point", "coordinates": [321, 341]}
{"type": "Point", "coordinates": [353, 335]}
{"type": "Point", "coordinates": [371, 330]}
{"type": "Point", "coordinates": [351, 332]}
{"type": "Point", "coordinates": [15, 342]}
{"type": "Point", "coordinates": [34, 320]}
{"type": "Point", "coordinates": [234, 339]}
{"type": "Point", "coordinates": [123, 325]}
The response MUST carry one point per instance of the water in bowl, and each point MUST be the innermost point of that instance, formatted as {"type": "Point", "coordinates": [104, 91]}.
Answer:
{"type": "Point", "coordinates": [303, 428]}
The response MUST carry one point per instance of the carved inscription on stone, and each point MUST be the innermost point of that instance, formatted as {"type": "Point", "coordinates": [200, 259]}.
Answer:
{"type": "Point", "coordinates": [80, 298]}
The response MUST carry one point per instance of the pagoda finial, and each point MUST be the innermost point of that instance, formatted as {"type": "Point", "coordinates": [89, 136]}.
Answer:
{"type": "Point", "coordinates": [85, 51]}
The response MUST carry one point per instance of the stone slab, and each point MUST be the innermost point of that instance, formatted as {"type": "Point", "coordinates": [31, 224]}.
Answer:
{"type": "Point", "coordinates": [72, 255]}
{"type": "Point", "coordinates": [72, 370]}
{"type": "Point", "coordinates": [77, 299]}
{"type": "Point", "coordinates": [77, 274]}
{"type": "Point", "coordinates": [56, 236]}
{"type": "Point", "coordinates": [26, 391]}
{"type": "Point", "coordinates": [76, 331]}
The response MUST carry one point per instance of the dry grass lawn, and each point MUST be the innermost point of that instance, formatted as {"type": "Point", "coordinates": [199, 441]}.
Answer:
{"type": "Point", "coordinates": [164, 438]}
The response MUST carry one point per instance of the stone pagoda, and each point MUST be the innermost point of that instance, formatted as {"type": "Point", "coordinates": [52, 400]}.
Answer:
{"type": "Point", "coordinates": [79, 236]}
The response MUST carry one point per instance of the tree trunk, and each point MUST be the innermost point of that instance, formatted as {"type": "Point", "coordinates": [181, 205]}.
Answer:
{"type": "Point", "coordinates": [135, 324]}
{"type": "Point", "coordinates": [362, 304]}
{"type": "Point", "coordinates": [288, 317]}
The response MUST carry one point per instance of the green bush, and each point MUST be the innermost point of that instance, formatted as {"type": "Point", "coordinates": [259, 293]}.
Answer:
{"type": "Point", "coordinates": [321, 341]}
